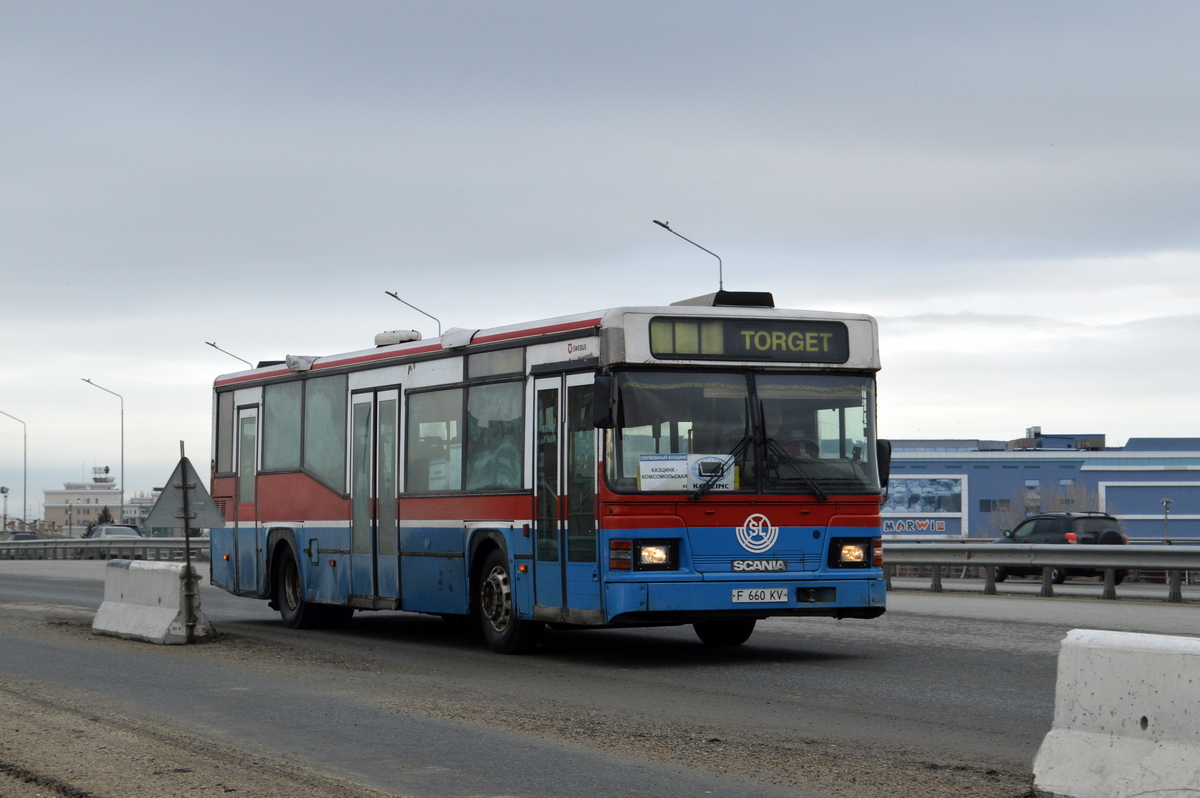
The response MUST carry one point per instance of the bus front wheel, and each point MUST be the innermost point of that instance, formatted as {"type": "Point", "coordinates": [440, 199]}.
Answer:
{"type": "Point", "coordinates": [503, 631]}
{"type": "Point", "coordinates": [725, 633]}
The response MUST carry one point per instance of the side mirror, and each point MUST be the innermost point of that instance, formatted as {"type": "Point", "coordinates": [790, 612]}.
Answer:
{"type": "Point", "coordinates": [883, 456]}
{"type": "Point", "coordinates": [602, 402]}
{"type": "Point", "coordinates": [1008, 533]}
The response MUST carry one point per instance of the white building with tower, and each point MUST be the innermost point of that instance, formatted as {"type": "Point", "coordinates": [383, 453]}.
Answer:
{"type": "Point", "coordinates": [80, 503]}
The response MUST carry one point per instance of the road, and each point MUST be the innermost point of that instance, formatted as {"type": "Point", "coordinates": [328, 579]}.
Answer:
{"type": "Point", "coordinates": [944, 695]}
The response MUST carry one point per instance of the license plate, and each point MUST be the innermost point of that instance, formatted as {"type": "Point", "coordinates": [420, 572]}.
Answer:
{"type": "Point", "coordinates": [770, 595]}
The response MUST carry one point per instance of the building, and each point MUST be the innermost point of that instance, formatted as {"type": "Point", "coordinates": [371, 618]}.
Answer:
{"type": "Point", "coordinates": [80, 503]}
{"type": "Point", "coordinates": [978, 488]}
{"type": "Point", "coordinates": [138, 506]}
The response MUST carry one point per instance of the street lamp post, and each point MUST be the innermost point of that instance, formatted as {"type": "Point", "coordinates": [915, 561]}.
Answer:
{"type": "Point", "coordinates": [5, 492]}
{"type": "Point", "coordinates": [24, 467]}
{"type": "Point", "coordinates": [121, 519]}
{"type": "Point", "coordinates": [1166, 503]}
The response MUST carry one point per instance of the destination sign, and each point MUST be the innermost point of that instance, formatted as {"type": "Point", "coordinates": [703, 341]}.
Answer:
{"type": "Point", "coordinates": [782, 340]}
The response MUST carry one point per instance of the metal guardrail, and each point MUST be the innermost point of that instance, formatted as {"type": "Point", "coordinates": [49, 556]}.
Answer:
{"type": "Point", "coordinates": [87, 549]}
{"type": "Point", "coordinates": [1109, 559]}
{"type": "Point", "coordinates": [1173, 559]}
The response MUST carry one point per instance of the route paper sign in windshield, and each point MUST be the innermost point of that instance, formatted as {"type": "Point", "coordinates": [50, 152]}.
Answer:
{"type": "Point", "coordinates": [686, 472]}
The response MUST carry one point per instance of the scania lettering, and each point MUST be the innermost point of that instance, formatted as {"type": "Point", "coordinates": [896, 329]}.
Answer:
{"type": "Point", "coordinates": [711, 462]}
{"type": "Point", "coordinates": [760, 565]}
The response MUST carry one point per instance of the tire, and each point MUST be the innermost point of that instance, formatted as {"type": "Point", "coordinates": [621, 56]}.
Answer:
{"type": "Point", "coordinates": [1118, 577]}
{"type": "Point", "coordinates": [1058, 576]}
{"type": "Point", "coordinates": [1001, 574]}
{"type": "Point", "coordinates": [503, 631]}
{"type": "Point", "coordinates": [288, 590]}
{"type": "Point", "coordinates": [725, 633]}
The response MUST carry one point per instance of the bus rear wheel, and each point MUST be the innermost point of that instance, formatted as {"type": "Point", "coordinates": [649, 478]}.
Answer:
{"type": "Point", "coordinates": [725, 633]}
{"type": "Point", "coordinates": [289, 594]}
{"type": "Point", "coordinates": [503, 631]}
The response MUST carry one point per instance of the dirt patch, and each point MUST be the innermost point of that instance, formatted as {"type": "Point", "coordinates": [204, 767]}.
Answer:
{"type": "Point", "coordinates": [807, 764]}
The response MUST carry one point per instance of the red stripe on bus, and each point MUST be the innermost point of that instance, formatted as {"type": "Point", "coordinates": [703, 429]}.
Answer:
{"type": "Point", "coordinates": [526, 333]}
{"type": "Point", "coordinates": [458, 507]}
{"type": "Point", "coordinates": [417, 350]}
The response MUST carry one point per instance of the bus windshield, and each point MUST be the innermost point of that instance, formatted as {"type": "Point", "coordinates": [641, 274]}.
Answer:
{"type": "Point", "coordinates": [719, 432]}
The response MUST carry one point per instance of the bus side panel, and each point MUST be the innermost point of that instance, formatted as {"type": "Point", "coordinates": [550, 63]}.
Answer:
{"type": "Point", "coordinates": [328, 578]}
{"type": "Point", "coordinates": [434, 584]}
{"type": "Point", "coordinates": [248, 560]}
{"type": "Point", "coordinates": [433, 574]}
{"type": "Point", "coordinates": [434, 542]}
{"type": "Point", "coordinates": [522, 587]}
{"type": "Point", "coordinates": [220, 550]}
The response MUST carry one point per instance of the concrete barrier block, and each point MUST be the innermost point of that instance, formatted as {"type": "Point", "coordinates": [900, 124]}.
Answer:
{"type": "Point", "coordinates": [1126, 718]}
{"type": "Point", "coordinates": [146, 601]}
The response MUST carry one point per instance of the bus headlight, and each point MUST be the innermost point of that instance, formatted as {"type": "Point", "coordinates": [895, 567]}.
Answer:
{"type": "Point", "coordinates": [643, 555]}
{"type": "Point", "coordinates": [656, 555]}
{"type": "Point", "coordinates": [852, 554]}
{"type": "Point", "coordinates": [652, 555]}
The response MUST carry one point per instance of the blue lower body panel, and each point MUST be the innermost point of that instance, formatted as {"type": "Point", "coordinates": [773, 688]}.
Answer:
{"type": "Point", "coordinates": [221, 561]}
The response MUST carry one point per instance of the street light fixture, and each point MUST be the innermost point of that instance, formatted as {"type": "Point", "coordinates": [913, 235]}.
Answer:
{"type": "Point", "coordinates": [231, 354]}
{"type": "Point", "coordinates": [122, 398]}
{"type": "Point", "coordinates": [720, 266]}
{"type": "Point", "coordinates": [24, 467]}
{"type": "Point", "coordinates": [396, 297]}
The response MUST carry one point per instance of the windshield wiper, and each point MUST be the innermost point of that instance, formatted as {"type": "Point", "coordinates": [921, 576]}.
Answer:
{"type": "Point", "coordinates": [775, 448]}
{"type": "Point", "coordinates": [720, 473]}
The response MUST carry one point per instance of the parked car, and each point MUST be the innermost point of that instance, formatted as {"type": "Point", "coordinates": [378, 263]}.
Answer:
{"type": "Point", "coordinates": [109, 532]}
{"type": "Point", "coordinates": [113, 531]}
{"type": "Point", "coordinates": [23, 536]}
{"type": "Point", "coordinates": [1086, 529]}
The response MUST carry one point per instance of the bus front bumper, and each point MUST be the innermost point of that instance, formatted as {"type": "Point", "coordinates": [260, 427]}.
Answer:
{"type": "Point", "coordinates": [684, 602]}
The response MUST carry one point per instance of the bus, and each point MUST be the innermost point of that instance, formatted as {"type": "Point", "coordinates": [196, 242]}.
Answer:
{"type": "Point", "coordinates": [711, 462]}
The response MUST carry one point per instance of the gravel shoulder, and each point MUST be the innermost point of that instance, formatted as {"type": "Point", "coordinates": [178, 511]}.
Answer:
{"type": "Point", "coordinates": [68, 745]}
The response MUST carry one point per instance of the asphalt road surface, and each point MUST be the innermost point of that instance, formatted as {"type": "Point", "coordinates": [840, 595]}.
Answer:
{"type": "Point", "coordinates": [944, 695]}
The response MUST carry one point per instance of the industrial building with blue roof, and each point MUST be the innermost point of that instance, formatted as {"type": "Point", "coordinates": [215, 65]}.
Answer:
{"type": "Point", "coordinates": [978, 488]}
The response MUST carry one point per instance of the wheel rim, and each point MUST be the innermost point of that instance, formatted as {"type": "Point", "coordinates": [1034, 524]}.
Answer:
{"type": "Point", "coordinates": [291, 584]}
{"type": "Point", "coordinates": [495, 599]}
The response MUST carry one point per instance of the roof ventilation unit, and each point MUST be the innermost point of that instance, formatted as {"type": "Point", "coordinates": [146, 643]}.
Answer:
{"type": "Point", "coordinates": [392, 337]}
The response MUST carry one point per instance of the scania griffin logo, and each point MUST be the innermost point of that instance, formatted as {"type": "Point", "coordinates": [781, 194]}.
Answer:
{"type": "Point", "coordinates": [757, 535]}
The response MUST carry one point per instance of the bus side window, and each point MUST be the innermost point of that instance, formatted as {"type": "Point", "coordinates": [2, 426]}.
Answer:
{"type": "Point", "coordinates": [434, 460]}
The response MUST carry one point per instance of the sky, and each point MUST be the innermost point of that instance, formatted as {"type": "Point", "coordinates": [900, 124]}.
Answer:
{"type": "Point", "coordinates": [1010, 188]}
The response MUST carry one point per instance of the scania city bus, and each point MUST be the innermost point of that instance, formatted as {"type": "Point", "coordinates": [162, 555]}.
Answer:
{"type": "Point", "coordinates": [710, 462]}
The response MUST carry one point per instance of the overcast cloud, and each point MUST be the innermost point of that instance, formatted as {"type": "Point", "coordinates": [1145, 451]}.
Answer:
{"type": "Point", "coordinates": [1010, 187]}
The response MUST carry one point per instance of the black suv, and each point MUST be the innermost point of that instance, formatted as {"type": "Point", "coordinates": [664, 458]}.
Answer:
{"type": "Point", "coordinates": [1064, 528]}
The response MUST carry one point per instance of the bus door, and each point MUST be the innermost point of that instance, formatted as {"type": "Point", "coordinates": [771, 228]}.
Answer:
{"type": "Point", "coordinates": [566, 567]}
{"type": "Point", "coordinates": [245, 538]}
{"type": "Point", "coordinates": [374, 550]}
